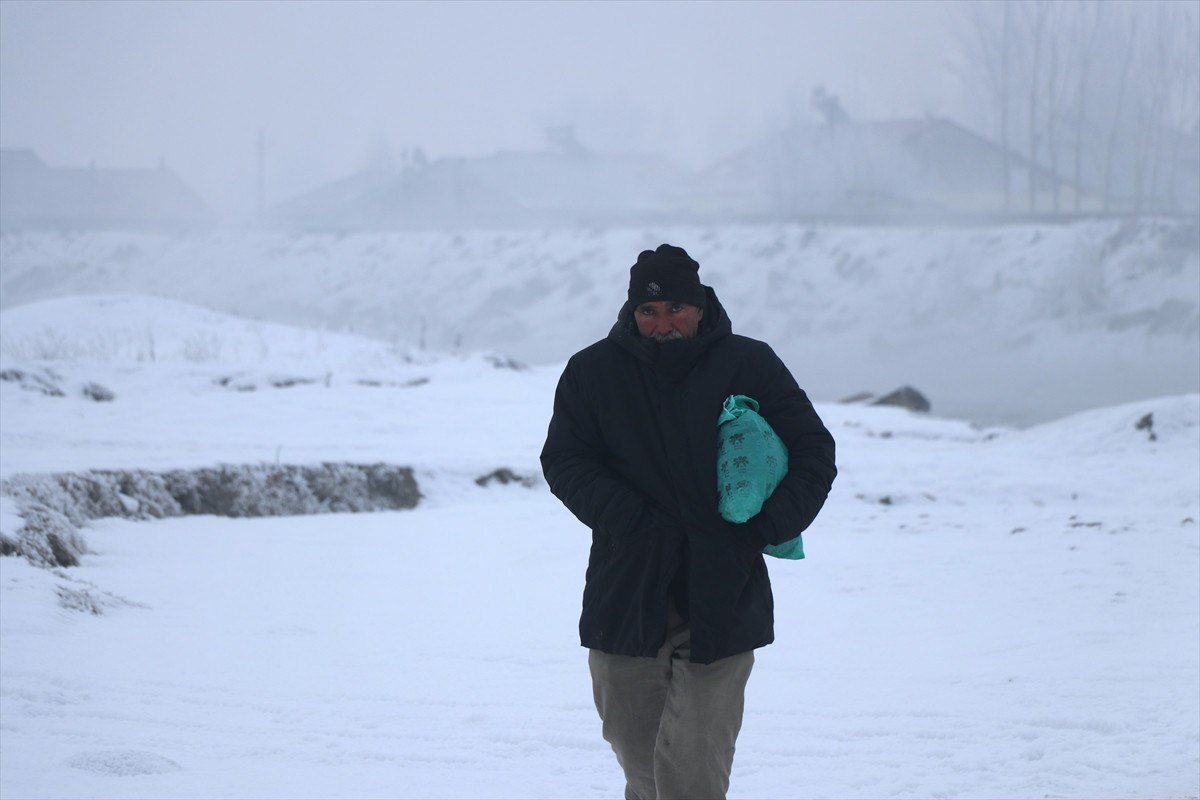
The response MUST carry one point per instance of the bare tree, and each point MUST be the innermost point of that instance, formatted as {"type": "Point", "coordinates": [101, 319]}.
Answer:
{"type": "Point", "coordinates": [1183, 114]}
{"type": "Point", "coordinates": [1115, 127]}
{"type": "Point", "coordinates": [1057, 51]}
{"type": "Point", "coordinates": [1005, 38]}
{"type": "Point", "coordinates": [1164, 71]}
{"type": "Point", "coordinates": [1105, 90]}
{"type": "Point", "coordinates": [1086, 26]}
{"type": "Point", "coordinates": [1149, 73]}
{"type": "Point", "coordinates": [1036, 19]}
{"type": "Point", "coordinates": [986, 69]}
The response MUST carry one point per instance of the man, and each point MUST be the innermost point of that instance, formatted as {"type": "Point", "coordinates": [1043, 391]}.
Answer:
{"type": "Point", "coordinates": [676, 599]}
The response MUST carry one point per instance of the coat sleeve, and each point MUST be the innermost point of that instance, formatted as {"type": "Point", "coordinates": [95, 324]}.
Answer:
{"type": "Point", "coordinates": [794, 504]}
{"type": "Point", "coordinates": [573, 461]}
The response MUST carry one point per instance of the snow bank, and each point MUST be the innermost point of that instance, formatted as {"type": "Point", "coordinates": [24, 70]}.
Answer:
{"type": "Point", "coordinates": [54, 506]}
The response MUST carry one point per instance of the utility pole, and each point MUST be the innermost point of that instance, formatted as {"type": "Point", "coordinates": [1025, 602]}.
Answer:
{"type": "Point", "coordinates": [262, 169]}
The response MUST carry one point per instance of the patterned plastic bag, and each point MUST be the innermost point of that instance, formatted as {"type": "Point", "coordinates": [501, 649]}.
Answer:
{"type": "Point", "coordinates": [751, 461]}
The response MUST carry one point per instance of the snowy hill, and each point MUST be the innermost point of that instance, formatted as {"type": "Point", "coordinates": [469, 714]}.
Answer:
{"type": "Point", "coordinates": [172, 368]}
{"type": "Point", "coordinates": [1013, 324]}
{"type": "Point", "coordinates": [140, 329]}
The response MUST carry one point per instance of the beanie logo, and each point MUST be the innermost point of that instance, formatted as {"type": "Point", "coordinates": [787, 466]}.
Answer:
{"type": "Point", "coordinates": [653, 289]}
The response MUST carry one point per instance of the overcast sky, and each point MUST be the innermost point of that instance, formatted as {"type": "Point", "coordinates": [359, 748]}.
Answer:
{"type": "Point", "coordinates": [333, 85]}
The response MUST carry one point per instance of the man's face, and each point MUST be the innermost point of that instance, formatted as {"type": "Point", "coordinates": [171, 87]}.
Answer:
{"type": "Point", "coordinates": [664, 320]}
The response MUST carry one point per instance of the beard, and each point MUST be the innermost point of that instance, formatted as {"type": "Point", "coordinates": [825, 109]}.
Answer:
{"type": "Point", "coordinates": [673, 336]}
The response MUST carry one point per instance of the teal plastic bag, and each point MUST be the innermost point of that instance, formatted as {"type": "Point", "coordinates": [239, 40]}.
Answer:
{"type": "Point", "coordinates": [751, 461]}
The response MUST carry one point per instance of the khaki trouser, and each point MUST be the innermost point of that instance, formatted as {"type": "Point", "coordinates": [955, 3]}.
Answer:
{"type": "Point", "coordinates": [671, 723]}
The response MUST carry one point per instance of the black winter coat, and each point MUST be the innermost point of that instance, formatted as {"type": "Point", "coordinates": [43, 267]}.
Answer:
{"type": "Point", "coordinates": [632, 451]}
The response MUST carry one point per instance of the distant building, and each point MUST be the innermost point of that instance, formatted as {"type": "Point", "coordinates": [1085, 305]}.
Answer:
{"type": "Point", "coordinates": [903, 170]}
{"type": "Point", "coordinates": [35, 196]}
{"type": "Point", "coordinates": [885, 169]}
{"type": "Point", "coordinates": [565, 184]}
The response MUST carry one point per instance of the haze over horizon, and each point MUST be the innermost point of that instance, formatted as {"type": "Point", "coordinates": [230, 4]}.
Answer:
{"type": "Point", "coordinates": [334, 87]}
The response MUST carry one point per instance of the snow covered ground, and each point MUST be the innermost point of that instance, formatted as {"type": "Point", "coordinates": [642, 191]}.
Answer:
{"type": "Point", "coordinates": [984, 612]}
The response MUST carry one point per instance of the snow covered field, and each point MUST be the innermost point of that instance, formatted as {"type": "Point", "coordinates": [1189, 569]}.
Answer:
{"type": "Point", "coordinates": [983, 612]}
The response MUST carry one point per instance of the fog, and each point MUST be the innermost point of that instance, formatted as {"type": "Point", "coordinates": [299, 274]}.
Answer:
{"type": "Point", "coordinates": [998, 201]}
{"type": "Point", "coordinates": [333, 86]}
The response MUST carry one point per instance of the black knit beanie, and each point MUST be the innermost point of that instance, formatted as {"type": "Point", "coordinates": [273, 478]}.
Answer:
{"type": "Point", "coordinates": [667, 273]}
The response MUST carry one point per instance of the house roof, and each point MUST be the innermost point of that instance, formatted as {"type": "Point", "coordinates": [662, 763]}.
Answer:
{"type": "Point", "coordinates": [33, 194]}
{"type": "Point", "coordinates": [507, 188]}
{"type": "Point", "coordinates": [920, 164]}
{"type": "Point", "coordinates": [579, 180]}
{"type": "Point", "coordinates": [432, 195]}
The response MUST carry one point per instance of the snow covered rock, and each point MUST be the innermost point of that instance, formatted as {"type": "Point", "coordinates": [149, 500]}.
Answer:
{"type": "Point", "coordinates": [54, 506]}
{"type": "Point", "coordinates": [905, 397]}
